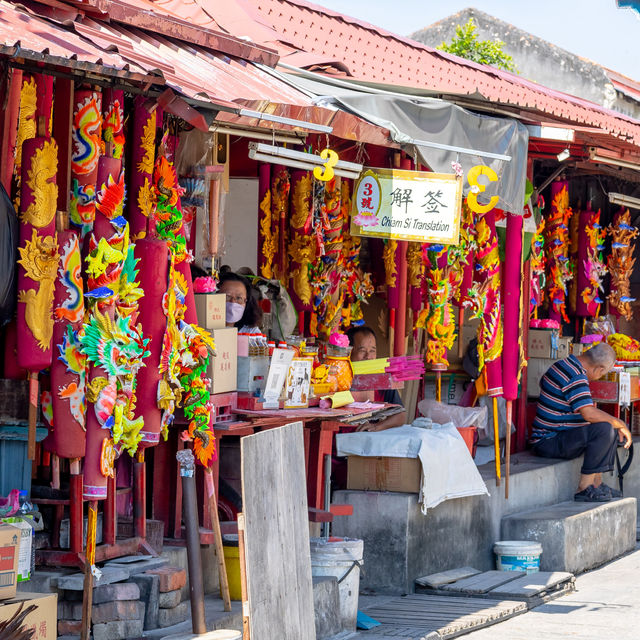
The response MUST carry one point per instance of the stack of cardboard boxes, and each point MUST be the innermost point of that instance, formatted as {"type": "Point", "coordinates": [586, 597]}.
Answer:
{"type": "Point", "coordinates": [43, 619]}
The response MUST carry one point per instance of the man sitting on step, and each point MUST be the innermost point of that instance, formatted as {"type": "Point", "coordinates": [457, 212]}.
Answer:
{"type": "Point", "coordinates": [568, 424]}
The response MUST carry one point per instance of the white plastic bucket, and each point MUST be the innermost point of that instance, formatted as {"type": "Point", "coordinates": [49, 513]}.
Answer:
{"type": "Point", "coordinates": [518, 555]}
{"type": "Point", "coordinates": [342, 558]}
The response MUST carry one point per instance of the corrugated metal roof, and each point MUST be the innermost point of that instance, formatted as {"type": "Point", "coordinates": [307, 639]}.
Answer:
{"type": "Point", "coordinates": [197, 72]}
{"type": "Point", "coordinates": [191, 70]}
{"type": "Point", "coordinates": [374, 55]}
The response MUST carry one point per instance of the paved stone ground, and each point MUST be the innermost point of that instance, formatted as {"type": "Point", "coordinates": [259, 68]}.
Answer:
{"type": "Point", "coordinates": [605, 606]}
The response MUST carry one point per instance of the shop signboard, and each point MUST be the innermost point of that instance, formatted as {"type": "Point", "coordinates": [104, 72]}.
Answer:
{"type": "Point", "coordinates": [407, 205]}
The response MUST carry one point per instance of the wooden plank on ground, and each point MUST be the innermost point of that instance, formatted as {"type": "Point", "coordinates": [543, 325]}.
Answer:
{"type": "Point", "coordinates": [419, 616]}
{"type": "Point", "coordinates": [533, 584]}
{"type": "Point", "coordinates": [483, 582]}
{"type": "Point", "coordinates": [436, 580]}
{"type": "Point", "coordinates": [278, 560]}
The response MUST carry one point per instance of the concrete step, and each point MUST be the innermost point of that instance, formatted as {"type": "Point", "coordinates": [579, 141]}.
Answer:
{"type": "Point", "coordinates": [576, 536]}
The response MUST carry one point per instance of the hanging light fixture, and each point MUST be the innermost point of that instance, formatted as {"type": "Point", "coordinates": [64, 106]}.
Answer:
{"type": "Point", "coordinates": [300, 160]}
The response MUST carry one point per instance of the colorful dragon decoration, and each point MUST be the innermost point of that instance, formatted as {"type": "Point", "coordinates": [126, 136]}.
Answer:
{"type": "Point", "coordinates": [621, 261]}
{"type": "Point", "coordinates": [593, 265]}
{"type": "Point", "coordinates": [187, 348]}
{"type": "Point", "coordinates": [484, 295]}
{"type": "Point", "coordinates": [116, 348]}
{"type": "Point", "coordinates": [444, 270]}
{"type": "Point", "coordinates": [538, 263]}
{"type": "Point", "coordinates": [557, 250]}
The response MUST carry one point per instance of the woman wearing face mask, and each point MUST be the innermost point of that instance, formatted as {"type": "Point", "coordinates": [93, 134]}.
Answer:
{"type": "Point", "coordinates": [243, 311]}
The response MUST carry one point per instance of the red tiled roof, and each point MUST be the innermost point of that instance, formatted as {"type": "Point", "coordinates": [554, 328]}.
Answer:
{"type": "Point", "coordinates": [374, 55]}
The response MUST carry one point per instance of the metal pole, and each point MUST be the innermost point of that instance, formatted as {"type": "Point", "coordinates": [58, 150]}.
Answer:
{"type": "Point", "coordinates": [194, 558]}
{"type": "Point", "coordinates": [327, 493]}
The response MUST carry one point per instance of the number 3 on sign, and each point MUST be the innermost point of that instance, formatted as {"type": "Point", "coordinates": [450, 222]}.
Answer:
{"type": "Point", "coordinates": [472, 179]}
{"type": "Point", "coordinates": [327, 173]}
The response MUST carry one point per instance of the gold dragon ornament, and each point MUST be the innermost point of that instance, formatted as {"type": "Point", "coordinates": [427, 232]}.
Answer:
{"type": "Point", "coordinates": [43, 169]}
{"type": "Point", "coordinates": [39, 258]}
{"type": "Point", "coordinates": [302, 251]}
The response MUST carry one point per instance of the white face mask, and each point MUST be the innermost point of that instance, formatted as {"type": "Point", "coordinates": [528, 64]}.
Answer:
{"type": "Point", "coordinates": [235, 311]}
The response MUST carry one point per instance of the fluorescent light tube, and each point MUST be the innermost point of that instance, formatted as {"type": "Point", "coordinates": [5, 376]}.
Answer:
{"type": "Point", "coordinates": [282, 152]}
{"type": "Point", "coordinates": [624, 201]}
{"type": "Point", "coordinates": [298, 164]}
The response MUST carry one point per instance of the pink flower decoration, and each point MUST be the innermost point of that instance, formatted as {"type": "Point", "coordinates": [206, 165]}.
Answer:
{"type": "Point", "coordinates": [366, 220]}
{"type": "Point", "coordinates": [457, 169]}
{"type": "Point", "coordinates": [339, 340]}
{"type": "Point", "coordinates": [205, 284]}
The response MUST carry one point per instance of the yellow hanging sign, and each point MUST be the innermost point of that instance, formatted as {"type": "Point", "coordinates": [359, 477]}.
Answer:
{"type": "Point", "coordinates": [325, 172]}
{"type": "Point", "coordinates": [479, 187]}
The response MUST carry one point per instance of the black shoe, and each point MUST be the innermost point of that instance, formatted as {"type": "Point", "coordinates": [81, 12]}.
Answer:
{"type": "Point", "coordinates": [609, 491]}
{"type": "Point", "coordinates": [591, 494]}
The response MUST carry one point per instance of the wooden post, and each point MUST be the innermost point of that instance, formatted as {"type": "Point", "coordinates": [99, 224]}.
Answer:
{"type": "Point", "coordinates": [139, 496]}
{"type": "Point", "coordinates": [496, 437]}
{"type": "Point", "coordinates": [194, 558]}
{"type": "Point", "coordinates": [87, 592]}
{"type": "Point", "coordinates": [401, 316]}
{"type": "Point", "coordinates": [109, 520]}
{"type": "Point", "coordinates": [34, 393]}
{"type": "Point", "coordinates": [76, 517]}
{"type": "Point", "coordinates": [246, 634]}
{"type": "Point", "coordinates": [438, 386]}
{"type": "Point", "coordinates": [217, 536]}
{"type": "Point", "coordinates": [460, 325]}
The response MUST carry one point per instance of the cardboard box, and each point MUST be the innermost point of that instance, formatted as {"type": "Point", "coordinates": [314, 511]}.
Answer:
{"type": "Point", "coordinates": [469, 331]}
{"type": "Point", "coordinates": [223, 369]}
{"type": "Point", "coordinates": [384, 474]}
{"type": "Point", "coordinates": [546, 343]}
{"type": "Point", "coordinates": [9, 550]}
{"type": "Point", "coordinates": [252, 373]}
{"type": "Point", "coordinates": [26, 546]}
{"type": "Point", "coordinates": [43, 620]}
{"type": "Point", "coordinates": [212, 310]}
{"type": "Point", "coordinates": [536, 368]}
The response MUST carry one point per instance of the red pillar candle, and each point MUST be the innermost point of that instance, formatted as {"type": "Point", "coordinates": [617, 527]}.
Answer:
{"type": "Point", "coordinates": [38, 248]}
{"type": "Point", "coordinates": [86, 133]}
{"type": "Point", "coordinates": [302, 247]}
{"type": "Point", "coordinates": [266, 245]}
{"type": "Point", "coordinates": [154, 255]}
{"type": "Point", "coordinates": [143, 138]}
{"type": "Point", "coordinates": [68, 369]}
{"type": "Point", "coordinates": [490, 338]}
{"type": "Point", "coordinates": [512, 291]}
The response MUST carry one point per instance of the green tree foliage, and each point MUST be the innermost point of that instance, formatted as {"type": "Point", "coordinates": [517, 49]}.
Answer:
{"type": "Point", "coordinates": [466, 45]}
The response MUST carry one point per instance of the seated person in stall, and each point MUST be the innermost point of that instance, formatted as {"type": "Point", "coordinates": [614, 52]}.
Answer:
{"type": "Point", "coordinates": [363, 343]}
{"type": "Point", "coordinates": [568, 424]}
{"type": "Point", "coordinates": [243, 310]}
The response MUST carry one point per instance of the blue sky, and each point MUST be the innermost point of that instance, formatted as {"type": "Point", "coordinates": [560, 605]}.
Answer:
{"type": "Point", "coordinates": [594, 29]}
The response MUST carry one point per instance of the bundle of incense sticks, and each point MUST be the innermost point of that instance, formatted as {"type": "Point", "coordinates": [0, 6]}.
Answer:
{"type": "Point", "coordinates": [406, 367]}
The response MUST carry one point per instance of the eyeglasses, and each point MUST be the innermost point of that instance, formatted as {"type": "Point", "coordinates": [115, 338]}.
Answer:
{"type": "Point", "coordinates": [236, 299]}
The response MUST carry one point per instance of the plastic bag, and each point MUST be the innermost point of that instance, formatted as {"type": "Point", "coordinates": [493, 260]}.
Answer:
{"type": "Point", "coordinates": [8, 257]}
{"type": "Point", "coordinates": [459, 416]}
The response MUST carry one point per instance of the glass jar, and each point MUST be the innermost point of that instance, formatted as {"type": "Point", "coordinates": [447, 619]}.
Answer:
{"type": "Point", "coordinates": [340, 371]}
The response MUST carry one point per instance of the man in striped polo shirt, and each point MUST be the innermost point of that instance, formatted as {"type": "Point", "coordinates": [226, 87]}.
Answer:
{"type": "Point", "coordinates": [568, 424]}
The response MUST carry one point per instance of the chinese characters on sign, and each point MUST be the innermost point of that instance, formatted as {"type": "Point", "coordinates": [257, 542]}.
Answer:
{"type": "Point", "coordinates": [407, 205]}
